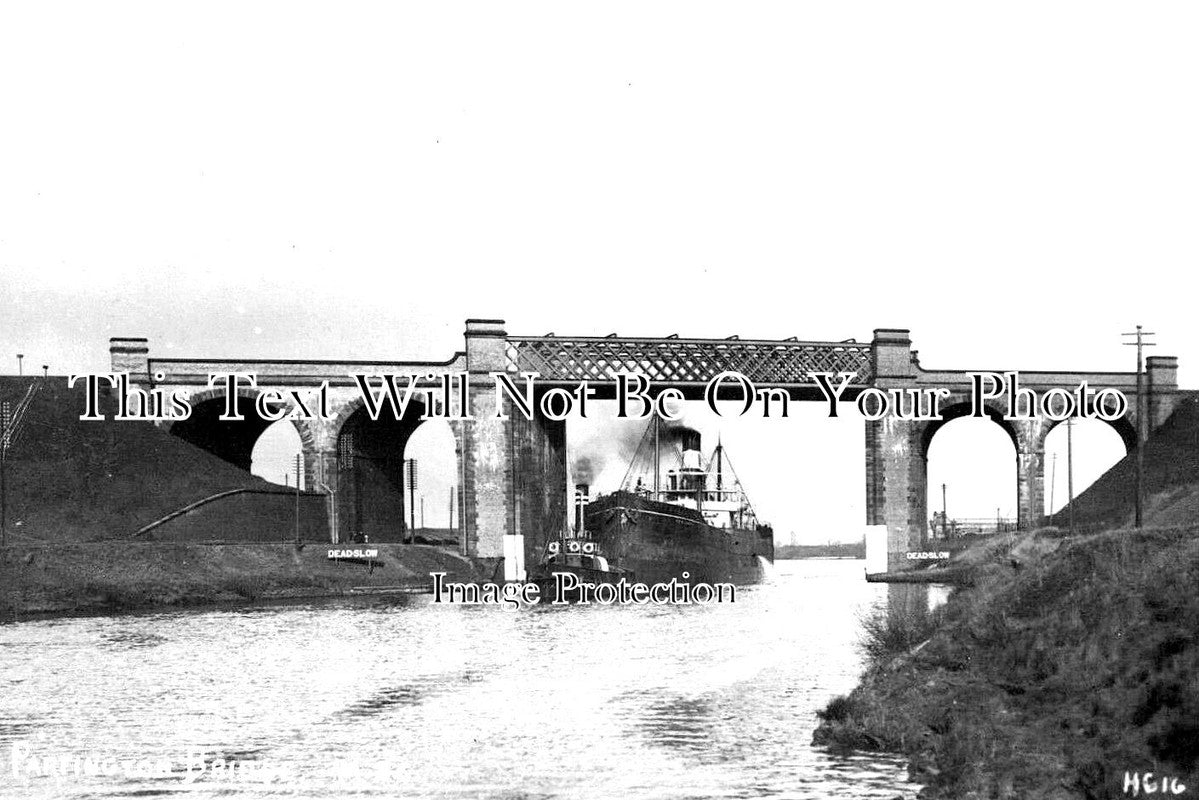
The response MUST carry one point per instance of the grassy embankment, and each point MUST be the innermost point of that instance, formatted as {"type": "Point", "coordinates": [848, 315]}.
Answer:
{"type": "Point", "coordinates": [75, 481]}
{"type": "Point", "coordinates": [78, 491]}
{"type": "Point", "coordinates": [118, 576]}
{"type": "Point", "coordinates": [1068, 662]}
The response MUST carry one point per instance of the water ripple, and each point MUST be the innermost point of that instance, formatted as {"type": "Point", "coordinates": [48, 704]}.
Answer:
{"type": "Point", "coordinates": [374, 698]}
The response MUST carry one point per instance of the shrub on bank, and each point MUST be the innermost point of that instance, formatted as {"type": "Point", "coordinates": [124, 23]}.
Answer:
{"type": "Point", "coordinates": [886, 634]}
{"type": "Point", "coordinates": [837, 710]}
{"type": "Point", "coordinates": [1049, 678]}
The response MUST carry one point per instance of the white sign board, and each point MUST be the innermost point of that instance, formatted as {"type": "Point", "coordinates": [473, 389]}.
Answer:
{"type": "Point", "coordinates": [353, 552]}
{"type": "Point", "coordinates": [876, 549]}
{"type": "Point", "coordinates": [514, 558]}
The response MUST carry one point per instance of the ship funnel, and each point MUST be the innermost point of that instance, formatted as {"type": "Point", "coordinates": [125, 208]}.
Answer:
{"type": "Point", "coordinates": [691, 453]}
{"type": "Point", "coordinates": [688, 438]}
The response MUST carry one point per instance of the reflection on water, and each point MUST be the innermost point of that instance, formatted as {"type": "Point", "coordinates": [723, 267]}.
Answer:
{"type": "Point", "coordinates": [675, 722]}
{"type": "Point", "coordinates": [382, 698]}
{"type": "Point", "coordinates": [132, 638]}
{"type": "Point", "coordinates": [408, 693]}
{"type": "Point", "coordinates": [913, 602]}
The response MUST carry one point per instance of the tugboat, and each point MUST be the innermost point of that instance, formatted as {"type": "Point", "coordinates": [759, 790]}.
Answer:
{"type": "Point", "coordinates": [698, 527]}
{"type": "Point", "coordinates": [576, 553]}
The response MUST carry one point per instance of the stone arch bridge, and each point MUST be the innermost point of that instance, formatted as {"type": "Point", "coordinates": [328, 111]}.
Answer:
{"type": "Point", "coordinates": [513, 473]}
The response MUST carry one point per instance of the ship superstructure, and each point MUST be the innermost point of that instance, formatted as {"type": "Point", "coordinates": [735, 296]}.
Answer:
{"type": "Point", "coordinates": [692, 521]}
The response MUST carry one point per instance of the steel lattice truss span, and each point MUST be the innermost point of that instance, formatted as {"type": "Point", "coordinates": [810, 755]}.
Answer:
{"type": "Point", "coordinates": [686, 361]}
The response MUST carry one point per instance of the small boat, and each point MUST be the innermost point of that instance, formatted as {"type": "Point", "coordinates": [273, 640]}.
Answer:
{"type": "Point", "coordinates": [577, 555]}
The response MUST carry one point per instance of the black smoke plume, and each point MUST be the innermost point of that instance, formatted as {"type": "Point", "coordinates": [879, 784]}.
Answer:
{"type": "Point", "coordinates": [613, 441]}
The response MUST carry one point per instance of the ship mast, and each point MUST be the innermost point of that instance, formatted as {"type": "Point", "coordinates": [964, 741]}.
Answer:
{"type": "Point", "coordinates": [719, 468]}
{"type": "Point", "coordinates": [657, 458]}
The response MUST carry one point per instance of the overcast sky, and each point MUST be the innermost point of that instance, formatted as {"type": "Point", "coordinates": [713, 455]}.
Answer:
{"type": "Point", "coordinates": [1015, 183]}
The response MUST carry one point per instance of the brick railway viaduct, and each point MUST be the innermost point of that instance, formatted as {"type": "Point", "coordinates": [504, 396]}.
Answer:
{"type": "Point", "coordinates": [513, 473]}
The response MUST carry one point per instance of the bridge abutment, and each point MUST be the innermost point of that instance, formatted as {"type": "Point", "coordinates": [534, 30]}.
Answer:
{"type": "Point", "coordinates": [487, 481]}
{"type": "Point", "coordinates": [514, 469]}
{"type": "Point", "coordinates": [896, 466]}
{"type": "Point", "coordinates": [1030, 473]}
{"type": "Point", "coordinates": [131, 355]}
{"type": "Point", "coordinates": [1161, 373]}
{"type": "Point", "coordinates": [897, 486]}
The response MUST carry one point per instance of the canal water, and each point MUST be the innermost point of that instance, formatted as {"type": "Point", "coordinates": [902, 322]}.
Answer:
{"type": "Point", "coordinates": [375, 697]}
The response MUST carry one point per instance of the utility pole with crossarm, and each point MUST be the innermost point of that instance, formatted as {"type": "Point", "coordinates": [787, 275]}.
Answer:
{"type": "Point", "coordinates": [1140, 344]}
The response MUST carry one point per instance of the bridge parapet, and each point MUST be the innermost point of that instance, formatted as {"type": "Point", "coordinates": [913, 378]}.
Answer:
{"type": "Point", "coordinates": [685, 361]}
{"type": "Point", "coordinates": [280, 372]}
{"type": "Point", "coordinates": [1032, 379]}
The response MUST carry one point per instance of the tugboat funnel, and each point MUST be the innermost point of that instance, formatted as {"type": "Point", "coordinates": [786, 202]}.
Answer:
{"type": "Point", "coordinates": [582, 496]}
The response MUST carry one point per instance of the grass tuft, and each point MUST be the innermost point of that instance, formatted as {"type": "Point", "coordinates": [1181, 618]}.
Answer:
{"type": "Point", "coordinates": [886, 634]}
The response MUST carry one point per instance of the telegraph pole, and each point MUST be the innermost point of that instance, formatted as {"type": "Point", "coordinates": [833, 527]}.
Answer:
{"type": "Point", "coordinates": [1052, 483]}
{"type": "Point", "coordinates": [299, 464]}
{"type": "Point", "coordinates": [1140, 344]}
{"type": "Point", "coordinates": [411, 464]}
{"type": "Point", "coordinates": [944, 514]}
{"type": "Point", "coordinates": [5, 435]}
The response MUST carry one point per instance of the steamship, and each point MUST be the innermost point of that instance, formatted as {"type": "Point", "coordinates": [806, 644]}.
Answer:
{"type": "Point", "coordinates": [696, 526]}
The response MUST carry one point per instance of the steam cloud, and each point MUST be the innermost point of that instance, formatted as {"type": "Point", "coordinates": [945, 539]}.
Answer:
{"type": "Point", "coordinates": [614, 443]}
{"type": "Point", "coordinates": [583, 470]}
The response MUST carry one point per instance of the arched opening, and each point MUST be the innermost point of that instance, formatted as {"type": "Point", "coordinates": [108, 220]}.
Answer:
{"type": "Point", "coordinates": [376, 502]}
{"type": "Point", "coordinates": [972, 479]}
{"type": "Point", "coordinates": [1097, 446]}
{"type": "Point", "coordinates": [432, 447]}
{"type": "Point", "coordinates": [264, 448]}
{"type": "Point", "coordinates": [802, 475]}
{"type": "Point", "coordinates": [277, 456]}
{"type": "Point", "coordinates": [232, 440]}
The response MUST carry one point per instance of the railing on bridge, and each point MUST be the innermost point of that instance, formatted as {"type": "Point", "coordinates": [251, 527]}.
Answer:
{"type": "Point", "coordinates": [697, 361]}
{"type": "Point", "coordinates": [970, 526]}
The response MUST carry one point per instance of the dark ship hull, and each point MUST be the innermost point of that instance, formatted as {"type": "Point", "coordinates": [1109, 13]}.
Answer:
{"type": "Point", "coordinates": [548, 583]}
{"type": "Point", "coordinates": [661, 541]}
